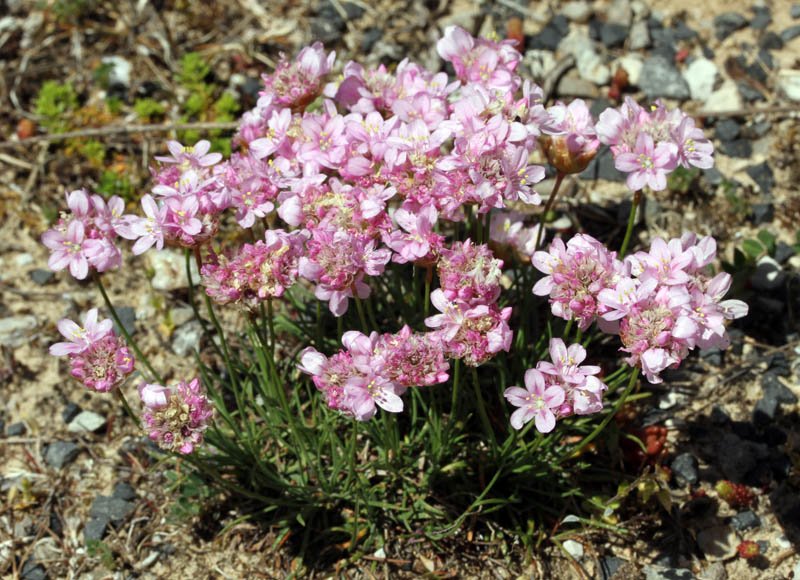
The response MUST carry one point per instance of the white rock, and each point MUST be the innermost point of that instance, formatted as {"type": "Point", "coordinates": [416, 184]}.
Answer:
{"type": "Point", "coordinates": [187, 338]}
{"type": "Point", "coordinates": [620, 12]}
{"type": "Point", "coordinates": [632, 63]}
{"type": "Point", "coordinates": [789, 83]}
{"type": "Point", "coordinates": [86, 422]}
{"type": "Point", "coordinates": [23, 260]}
{"type": "Point", "coordinates": [181, 315]}
{"type": "Point", "coordinates": [589, 64]}
{"type": "Point", "coordinates": [639, 35]}
{"type": "Point", "coordinates": [16, 330]}
{"type": "Point", "coordinates": [119, 70]}
{"type": "Point", "coordinates": [701, 75]}
{"type": "Point", "coordinates": [539, 62]}
{"type": "Point", "coordinates": [725, 98]}
{"type": "Point", "coordinates": [169, 269]}
{"type": "Point", "coordinates": [574, 549]}
{"type": "Point", "coordinates": [577, 11]}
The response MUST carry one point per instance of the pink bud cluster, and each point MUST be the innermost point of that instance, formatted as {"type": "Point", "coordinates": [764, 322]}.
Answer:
{"type": "Point", "coordinates": [176, 417]}
{"type": "Point", "coordinates": [98, 358]}
{"type": "Point", "coordinates": [257, 272]}
{"type": "Point", "coordinates": [86, 237]}
{"type": "Point", "coordinates": [374, 371]}
{"type": "Point", "coordinates": [557, 389]}
{"type": "Point", "coordinates": [648, 145]}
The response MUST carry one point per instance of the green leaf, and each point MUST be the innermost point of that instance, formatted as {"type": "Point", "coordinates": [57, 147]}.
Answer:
{"type": "Point", "coordinates": [753, 248]}
{"type": "Point", "coordinates": [768, 239]}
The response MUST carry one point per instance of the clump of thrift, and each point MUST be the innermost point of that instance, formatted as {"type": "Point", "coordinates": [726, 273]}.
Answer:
{"type": "Point", "coordinates": [176, 417]}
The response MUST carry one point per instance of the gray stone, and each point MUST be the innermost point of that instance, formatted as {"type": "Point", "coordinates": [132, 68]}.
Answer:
{"type": "Point", "coordinates": [370, 37]}
{"type": "Point", "coordinates": [725, 98]}
{"type": "Point", "coordinates": [770, 41]}
{"type": "Point", "coordinates": [127, 315]}
{"type": "Point", "coordinates": [620, 12]}
{"type": "Point", "coordinates": [86, 422]}
{"type": "Point", "coordinates": [761, 18]}
{"type": "Point", "coordinates": [169, 270]}
{"type": "Point", "coordinates": [41, 277]}
{"type": "Point", "coordinates": [737, 457]}
{"type": "Point", "coordinates": [790, 33]}
{"type": "Point", "coordinates": [749, 92]}
{"type": "Point", "coordinates": [16, 429]}
{"type": "Point", "coordinates": [124, 491]}
{"type": "Point", "coordinates": [768, 274]}
{"type": "Point", "coordinates": [32, 571]}
{"type": "Point", "coordinates": [547, 39]}
{"type": "Point", "coordinates": [795, 12]}
{"type": "Point", "coordinates": [763, 176]}
{"type": "Point", "coordinates": [95, 529]}
{"type": "Point", "coordinates": [16, 330]}
{"type": "Point", "coordinates": [70, 411]}
{"type": "Point", "coordinates": [739, 148]}
{"type": "Point", "coordinates": [783, 252]}
{"type": "Point", "coordinates": [570, 86]}
{"type": "Point", "coordinates": [772, 385]}
{"type": "Point", "coordinates": [613, 35]}
{"type": "Point", "coordinates": [758, 130]}
{"type": "Point", "coordinates": [660, 78]}
{"type": "Point", "coordinates": [639, 36]}
{"type": "Point", "coordinates": [609, 566]}
{"type": "Point", "coordinates": [745, 520]}
{"type": "Point", "coordinates": [727, 23]}
{"type": "Point", "coordinates": [684, 468]}
{"type": "Point", "coordinates": [763, 213]}
{"type": "Point", "coordinates": [61, 453]}
{"type": "Point", "coordinates": [113, 508]}
{"type": "Point", "coordinates": [187, 338]}
{"type": "Point", "coordinates": [701, 75]}
{"type": "Point", "coordinates": [714, 571]}
{"type": "Point", "coordinates": [589, 63]}
{"type": "Point", "coordinates": [727, 129]}
{"type": "Point", "coordinates": [577, 11]}
{"type": "Point", "coordinates": [664, 573]}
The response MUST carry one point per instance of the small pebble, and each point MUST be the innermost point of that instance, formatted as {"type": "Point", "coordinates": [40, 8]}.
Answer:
{"type": "Point", "coordinates": [745, 520]}
{"type": "Point", "coordinates": [639, 35]}
{"type": "Point", "coordinates": [41, 277]}
{"type": "Point", "coordinates": [666, 573]}
{"type": "Point", "coordinates": [113, 508]}
{"type": "Point", "coordinates": [763, 213]}
{"type": "Point", "coordinates": [70, 411]}
{"type": "Point", "coordinates": [761, 19]}
{"type": "Point", "coordinates": [771, 41]}
{"type": "Point", "coordinates": [684, 468]}
{"type": "Point", "coordinates": [95, 529]}
{"type": "Point", "coordinates": [16, 430]}
{"type": "Point", "coordinates": [613, 35]}
{"type": "Point", "coordinates": [728, 23]}
{"type": "Point", "coordinates": [86, 422]}
{"type": "Point", "coordinates": [124, 491]}
{"type": "Point", "coordinates": [660, 78]}
{"type": "Point", "coordinates": [739, 148]}
{"type": "Point", "coordinates": [61, 453]}
{"type": "Point", "coordinates": [727, 129]}
{"type": "Point", "coordinates": [577, 11]}
{"type": "Point", "coordinates": [750, 93]}
{"type": "Point", "coordinates": [763, 176]}
{"type": "Point", "coordinates": [795, 12]}
{"type": "Point", "coordinates": [790, 33]}
{"type": "Point", "coordinates": [574, 549]}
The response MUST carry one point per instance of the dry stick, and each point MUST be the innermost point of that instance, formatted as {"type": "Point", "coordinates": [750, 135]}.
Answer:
{"type": "Point", "coordinates": [774, 110]}
{"type": "Point", "coordinates": [119, 129]}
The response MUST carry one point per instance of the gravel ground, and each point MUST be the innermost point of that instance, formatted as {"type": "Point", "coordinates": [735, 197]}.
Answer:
{"type": "Point", "coordinates": [79, 494]}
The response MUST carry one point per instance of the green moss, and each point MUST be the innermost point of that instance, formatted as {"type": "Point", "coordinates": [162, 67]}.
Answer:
{"type": "Point", "coordinates": [193, 69]}
{"type": "Point", "coordinates": [148, 109]}
{"type": "Point", "coordinates": [54, 103]}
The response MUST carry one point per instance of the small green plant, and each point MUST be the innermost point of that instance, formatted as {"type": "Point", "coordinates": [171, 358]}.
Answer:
{"type": "Point", "coordinates": [54, 104]}
{"type": "Point", "coordinates": [94, 152]}
{"type": "Point", "coordinates": [148, 109]}
{"type": "Point", "coordinates": [99, 549]}
{"type": "Point", "coordinates": [193, 70]}
{"type": "Point", "coordinates": [681, 180]}
{"type": "Point", "coordinates": [113, 183]}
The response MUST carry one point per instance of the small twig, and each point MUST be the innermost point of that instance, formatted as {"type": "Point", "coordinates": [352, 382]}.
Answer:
{"type": "Point", "coordinates": [749, 112]}
{"type": "Point", "coordinates": [550, 81]}
{"type": "Point", "coordinates": [117, 130]}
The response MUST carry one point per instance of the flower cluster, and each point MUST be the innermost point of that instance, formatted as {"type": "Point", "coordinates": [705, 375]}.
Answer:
{"type": "Point", "coordinates": [98, 358]}
{"type": "Point", "coordinates": [176, 417]}
{"type": "Point", "coordinates": [648, 145]}
{"type": "Point", "coordinates": [557, 389]}
{"type": "Point", "coordinates": [86, 237]}
{"type": "Point", "coordinates": [374, 371]}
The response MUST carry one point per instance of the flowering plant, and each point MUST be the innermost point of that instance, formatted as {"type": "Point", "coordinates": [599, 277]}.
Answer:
{"type": "Point", "coordinates": [406, 203]}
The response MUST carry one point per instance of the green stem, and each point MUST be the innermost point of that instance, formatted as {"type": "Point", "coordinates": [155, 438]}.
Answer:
{"type": "Point", "coordinates": [128, 338]}
{"type": "Point", "coordinates": [121, 396]}
{"type": "Point", "coordinates": [487, 425]}
{"type": "Point", "coordinates": [426, 303]}
{"type": "Point", "coordinates": [599, 429]}
{"type": "Point", "coordinates": [637, 198]}
{"type": "Point", "coordinates": [361, 316]}
{"type": "Point", "coordinates": [454, 399]}
{"type": "Point", "coordinates": [271, 325]}
{"type": "Point", "coordinates": [548, 206]}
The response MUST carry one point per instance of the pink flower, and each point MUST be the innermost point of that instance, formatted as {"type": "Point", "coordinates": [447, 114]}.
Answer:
{"type": "Point", "coordinates": [413, 359]}
{"type": "Point", "coordinates": [328, 374]}
{"type": "Point", "coordinates": [566, 363]}
{"type": "Point", "coordinates": [104, 365]}
{"type": "Point", "coordinates": [276, 136]}
{"type": "Point", "coordinates": [147, 231]}
{"type": "Point", "coordinates": [536, 401]}
{"type": "Point", "coordinates": [419, 243]}
{"type": "Point", "coordinates": [80, 338]}
{"type": "Point", "coordinates": [196, 156]}
{"type": "Point", "coordinates": [68, 249]}
{"type": "Point", "coordinates": [647, 164]}
{"type": "Point", "coordinates": [176, 417]}
{"type": "Point", "coordinates": [694, 148]}
{"type": "Point", "coordinates": [571, 151]}
{"type": "Point", "coordinates": [364, 394]}
{"type": "Point", "coordinates": [470, 272]}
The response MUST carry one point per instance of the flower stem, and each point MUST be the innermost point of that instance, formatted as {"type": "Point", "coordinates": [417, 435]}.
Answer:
{"type": "Point", "coordinates": [121, 396]}
{"type": "Point", "coordinates": [599, 429]}
{"type": "Point", "coordinates": [361, 316]}
{"type": "Point", "coordinates": [637, 198]}
{"type": "Point", "coordinates": [487, 425]}
{"type": "Point", "coordinates": [548, 206]}
{"type": "Point", "coordinates": [128, 338]}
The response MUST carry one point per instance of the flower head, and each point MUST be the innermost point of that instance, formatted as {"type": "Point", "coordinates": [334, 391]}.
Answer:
{"type": "Point", "coordinates": [176, 417]}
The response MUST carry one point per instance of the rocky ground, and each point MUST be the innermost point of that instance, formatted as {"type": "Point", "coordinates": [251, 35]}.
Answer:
{"type": "Point", "coordinates": [80, 495]}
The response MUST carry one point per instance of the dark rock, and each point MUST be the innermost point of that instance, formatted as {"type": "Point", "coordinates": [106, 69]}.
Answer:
{"type": "Point", "coordinates": [737, 456]}
{"type": "Point", "coordinates": [728, 23]}
{"type": "Point", "coordinates": [370, 36]}
{"type": "Point", "coordinates": [666, 573]}
{"type": "Point", "coordinates": [736, 337]}
{"type": "Point", "coordinates": [785, 501]}
{"type": "Point", "coordinates": [775, 389]}
{"type": "Point", "coordinates": [560, 23]}
{"type": "Point", "coordinates": [32, 571]}
{"type": "Point", "coordinates": [758, 130]}
{"type": "Point", "coordinates": [55, 524]}
{"type": "Point", "coordinates": [547, 39]}
{"type": "Point", "coordinates": [718, 416]}
{"type": "Point", "coordinates": [727, 129]}
{"type": "Point", "coordinates": [95, 529]}
{"type": "Point", "coordinates": [795, 11]}
{"type": "Point", "coordinates": [660, 78]}
{"type": "Point", "coordinates": [664, 42]}
{"type": "Point", "coordinates": [766, 59]}
{"type": "Point", "coordinates": [763, 546]}
{"type": "Point", "coordinates": [42, 277]}
{"type": "Point", "coordinates": [763, 176]}
{"type": "Point", "coordinates": [127, 315]}
{"type": "Point", "coordinates": [252, 87]}
{"type": "Point", "coordinates": [598, 106]}
{"type": "Point", "coordinates": [2, 427]}
{"type": "Point", "coordinates": [613, 35]}
{"type": "Point", "coordinates": [61, 453]}
{"type": "Point", "coordinates": [71, 410]}
{"type": "Point", "coordinates": [761, 18]}
{"type": "Point", "coordinates": [739, 148]}
{"type": "Point", "coordinates": [602, 167]}
{"type": "Point", "coordinates": [756, 71]}
{"type": "Point", "coordinates": [684, 468]}
{"type": "Point", "coordinates": [770, 41]}
{"type": "Point", "coordinates": [765, 410]}
{"type": "Point", "coordinates": [595, 29]}
{"type": "Point", "coordinates": [783, 252]}
{"type": "Point", "coordinates": [774, 436]}
{"type": "Point", "coordinates": [790, 33]}
{"type": "Point", "coordinates": [681, 31]}
{"type": "Point", "coordinates": [763, 213]}
{"type": "Point", "coordinates": [609, 566]}
{"type": "Point", "coordinates": [707, 52]}
{"type": "Point", "coordinates": [148, 89]}
{"type": "Point", "coordinates": [353, 11]}
{"type": "Point", "coordinates": [328, 30]}
{"type": "Point", "coordinates": [124, 491]}
{"type": "Point", "coordinates": [16, 430]}
{"type": "Point", "coordinates": [750, 93]}
{"type": "Point", "coordinates": [778, 364]}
